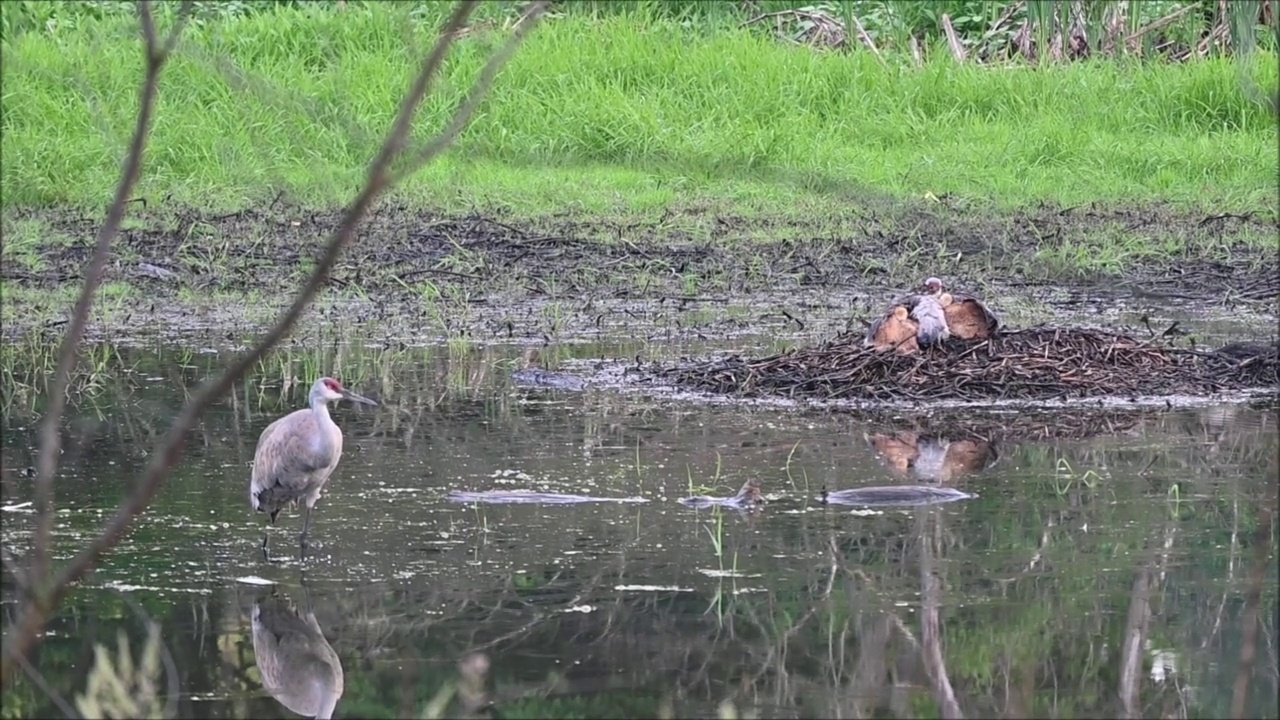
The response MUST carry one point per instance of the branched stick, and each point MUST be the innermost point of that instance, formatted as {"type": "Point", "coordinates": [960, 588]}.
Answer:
{"type": "Point", "coordinates": [953, 40]}
{"type": "Point", "coordinates": [50, 438]}
{"type": "Point", "coordinates": [19, 641]}
{"type": "Point", "coordinates": [865, 38]}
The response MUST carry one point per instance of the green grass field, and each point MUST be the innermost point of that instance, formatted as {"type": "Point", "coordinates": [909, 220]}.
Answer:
{"type": "Point", "coordinates": [619, 114]}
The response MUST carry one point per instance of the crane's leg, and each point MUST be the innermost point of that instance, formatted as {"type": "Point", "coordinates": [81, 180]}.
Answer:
{"type": "Point", "coordinates": [306, 527]}
{"type": "Point", "coordinates": [267, 535]}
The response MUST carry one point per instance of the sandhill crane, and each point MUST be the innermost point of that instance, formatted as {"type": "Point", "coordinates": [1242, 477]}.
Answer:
{"type": "Point", "coordinates": [299, 667]}
{"type": "Point", "coordinates": [909, 322]}
{"type": "Point", "coordinates": [967, 317]}
{"type": "Point", "coordinates": [296, 454]}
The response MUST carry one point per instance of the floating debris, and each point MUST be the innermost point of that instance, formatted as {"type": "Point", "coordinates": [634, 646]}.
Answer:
{"type": "Point", "coordinates": [536, 377]}
{"type": "Point", "coordinates": [126, 587]}
{"type": "Point", "coordinates": [906, 495]}
{"type": "Point", "coordinates": [530, 497]}
{"type": "Point", "coordinates": [748, 497]}
{"type": "Point", "coordinates": [254, 580]}
{"type": "Point", "coordinates": [1040, 363]}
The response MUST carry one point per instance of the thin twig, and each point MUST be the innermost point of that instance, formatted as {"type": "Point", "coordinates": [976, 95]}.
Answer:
{"type": "Point", "coordinates": [866, 39]}
{"type": "Point", "coordinates": [1163, 22]}
{"type": "Point", "coordinates": [479, 91]}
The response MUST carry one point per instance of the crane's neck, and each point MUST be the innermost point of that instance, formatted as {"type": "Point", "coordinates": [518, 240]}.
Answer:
{"type": "Point", "coordinates": [320, 406]}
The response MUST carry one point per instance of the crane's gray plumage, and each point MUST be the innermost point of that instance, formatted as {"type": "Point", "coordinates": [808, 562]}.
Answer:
{"type": "Point", "coordinates": [967, 317]}
{"type": "Point", "coordinates": [933, 322]}
{"type": "Point", "coordinates": [296, 455]}
{"type": "Point", "coordinates": [299, 667]}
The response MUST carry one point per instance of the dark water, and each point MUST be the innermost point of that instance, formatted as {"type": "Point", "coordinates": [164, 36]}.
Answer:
{"type": "Point", "coordinates": [1102, 569]}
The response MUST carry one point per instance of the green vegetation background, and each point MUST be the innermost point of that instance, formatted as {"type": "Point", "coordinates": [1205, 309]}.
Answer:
{"type": "Point", "coordinates": [615, 111]}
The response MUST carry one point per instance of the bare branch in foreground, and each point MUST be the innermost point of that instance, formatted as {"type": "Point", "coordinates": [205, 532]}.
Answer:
{"type": "Point", "coordinates": [479, 91]}
{"type": "Point", "coordinates": [170, 450]}
{"type": "Point", "coordinates": [50, 438]}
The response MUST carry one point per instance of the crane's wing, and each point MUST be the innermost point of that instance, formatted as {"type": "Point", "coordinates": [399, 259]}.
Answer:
{"type": "Point", "coordinates": [289, 449]}
{"type": "Point", "coordinates": [893, 330]}
{"type": "Point", "coordinates": [969, 318]}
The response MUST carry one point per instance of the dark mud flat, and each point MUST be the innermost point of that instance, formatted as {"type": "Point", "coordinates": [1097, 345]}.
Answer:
{"type": "Point", "coordinates": [1042, 363]}
{"type": "Point", "coordinates": [406, 263]}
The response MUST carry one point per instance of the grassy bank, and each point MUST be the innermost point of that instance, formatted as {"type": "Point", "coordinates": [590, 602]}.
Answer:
{"type": "Point", "coordinates": [623, 114]}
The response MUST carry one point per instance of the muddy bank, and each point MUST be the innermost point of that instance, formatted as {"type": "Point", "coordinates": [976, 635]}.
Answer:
{"type": "Point", "coordinates": [562, 277]}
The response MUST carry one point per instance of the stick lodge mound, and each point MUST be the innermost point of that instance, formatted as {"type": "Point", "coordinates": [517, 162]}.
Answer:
{"type": "Point", "coordinates": [1040, 363]}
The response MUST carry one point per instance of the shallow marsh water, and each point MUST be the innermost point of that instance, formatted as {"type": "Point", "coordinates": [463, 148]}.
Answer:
{"type": "Point", "coordinates": [1101, 570]}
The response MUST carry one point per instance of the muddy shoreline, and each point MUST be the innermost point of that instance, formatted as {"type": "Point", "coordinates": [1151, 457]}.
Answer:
{"type": "Point", "coordinates": [416, 275]}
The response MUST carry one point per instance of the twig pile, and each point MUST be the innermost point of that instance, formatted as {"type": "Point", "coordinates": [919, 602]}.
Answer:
{"type": "Point", "coordinates": [1040, 363]}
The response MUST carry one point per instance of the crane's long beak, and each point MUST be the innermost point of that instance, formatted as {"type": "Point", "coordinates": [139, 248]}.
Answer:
{"type": "Point", "coordinates": [356, 397]}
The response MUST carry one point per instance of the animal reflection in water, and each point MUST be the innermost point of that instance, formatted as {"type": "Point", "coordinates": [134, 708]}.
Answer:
{"type": "Point", "coordinates": [909, 456]}
{"type": "Point", "coordinates": [930, 317]}
{"type": "Point", "coordinates": [298, 665]}
{"type": "Point", "coordinates": [296, 455]}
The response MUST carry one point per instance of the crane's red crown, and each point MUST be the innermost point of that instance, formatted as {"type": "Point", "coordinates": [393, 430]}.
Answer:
{"type": "Point", "coordinates": [333, 385]}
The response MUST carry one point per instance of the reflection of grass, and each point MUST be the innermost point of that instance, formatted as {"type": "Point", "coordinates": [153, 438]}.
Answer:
{"type": "Point", "coordinates": [703, 489]}
{"type": "Point", "coordinates": [790, 479]}
{"type": "Point", "coordinates": [1064, 477]}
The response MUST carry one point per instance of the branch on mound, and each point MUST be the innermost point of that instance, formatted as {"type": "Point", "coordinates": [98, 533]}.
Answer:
{"type": "Point", "coordinates": [810, 26]}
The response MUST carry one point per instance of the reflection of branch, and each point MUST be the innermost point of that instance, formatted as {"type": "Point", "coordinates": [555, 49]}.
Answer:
{"type": "Point", "coordinates": [1134, 635]}
{"type": "Point", "coordinates": [50, 437]}
{"type": "Point", "coordinates": [1249, 622]}
{"type": "Point", "coordinates": [167, 455]}
{"type": "Point", "coordinates": [1231, 572]}
{"type": "Point", "coordinates": [930, 623]}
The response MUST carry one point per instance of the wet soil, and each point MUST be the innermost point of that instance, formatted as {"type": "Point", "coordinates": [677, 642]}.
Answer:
{"type": "Point", "coordinates": [563, 276]}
